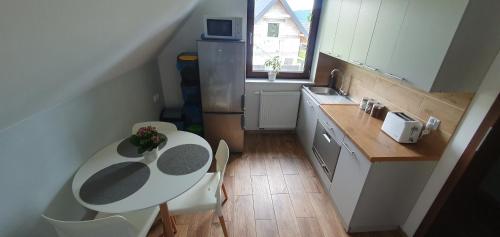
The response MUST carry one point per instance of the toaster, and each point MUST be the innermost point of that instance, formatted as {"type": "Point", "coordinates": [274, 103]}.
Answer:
{"type": "Point", "coordinates": [401, 127]}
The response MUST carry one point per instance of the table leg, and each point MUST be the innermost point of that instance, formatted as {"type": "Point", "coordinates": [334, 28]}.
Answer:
{"type": "Point", "coordinates": [165, 219]}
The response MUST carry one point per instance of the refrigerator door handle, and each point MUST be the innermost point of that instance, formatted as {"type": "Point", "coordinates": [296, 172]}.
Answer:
{"type": "Point", "coordinates": [243, 121]}
{"type": "Point", "coordinates": [242, 101]}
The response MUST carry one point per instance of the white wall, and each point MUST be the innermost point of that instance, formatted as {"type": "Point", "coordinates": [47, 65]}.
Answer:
{"type": "Point", "coordinates": [51, 50]}
{"type": "Point", "coordinates": [185, 38]}
{"type": "Point", "coordinates": [480, 105]}
{"type": "Point", "coordinates": [39, 154]}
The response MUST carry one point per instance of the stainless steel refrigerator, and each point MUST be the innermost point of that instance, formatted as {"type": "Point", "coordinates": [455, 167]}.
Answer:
{"type": "Point", "coordinates": [222, 81]}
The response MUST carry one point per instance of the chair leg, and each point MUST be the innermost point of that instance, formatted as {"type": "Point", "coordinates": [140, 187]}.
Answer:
{"type": "Point", "coordinates": [223, 225]}
{"type": "Point", "coordinates": [174, 225]}
{"type": "Point", "coordinates": [225, 194]}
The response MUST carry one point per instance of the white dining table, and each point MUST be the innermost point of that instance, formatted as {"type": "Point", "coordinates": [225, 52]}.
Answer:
{"type": "Point", "coordinates": [159, 187]}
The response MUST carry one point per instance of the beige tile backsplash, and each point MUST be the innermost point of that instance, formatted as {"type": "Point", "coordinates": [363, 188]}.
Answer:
{"type": "Point", "coordinates": [397, 96]}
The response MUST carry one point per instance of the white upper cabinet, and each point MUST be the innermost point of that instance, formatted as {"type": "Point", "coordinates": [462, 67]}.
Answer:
{"type": "Point", "coordinates": [345, 31]}
{"type": "Point", "coordinates": [368, 13]}
{"type": "Point", "coordinates": [328, 27]}
{"type": "Point", "coordinates": [433, 45]}
{"type": "Point", "coordinates": [426, 34]}
{"type": "Point", "coordinates": [385, 34]}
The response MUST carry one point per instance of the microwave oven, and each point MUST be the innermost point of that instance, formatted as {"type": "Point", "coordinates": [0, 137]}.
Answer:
{"type": "Point", "coordinates": [229, 28]}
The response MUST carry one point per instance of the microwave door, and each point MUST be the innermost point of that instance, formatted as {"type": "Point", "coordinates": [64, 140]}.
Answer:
{"type": "Point", "coordinates": [219, 28]}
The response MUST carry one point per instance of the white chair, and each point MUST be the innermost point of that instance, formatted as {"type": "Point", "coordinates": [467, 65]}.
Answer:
{"type": "Point", "coordinates": [70, 219]}
{"type": "Point", "coordinates": [206, 194]}
{"type": "Point", "coordinates": [130, 224]}
{"type": "Point", "coordinates": [163, 127]}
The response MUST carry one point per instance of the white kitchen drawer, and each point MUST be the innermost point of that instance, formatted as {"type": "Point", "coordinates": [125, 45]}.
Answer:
{"type": "Point", "coordinates": [332, 127]}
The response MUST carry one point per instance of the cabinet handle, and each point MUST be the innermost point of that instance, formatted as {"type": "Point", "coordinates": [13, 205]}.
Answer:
{"type": "Point", "coordinates": [327, 138]}
{"type": "Point", "coordinates": [350, 151]}
{"type": "Point", "coordinates": [310, 103]}
{"type": "Point", "coordinates": [320, 161]}
{"type": "Point", "coordinates": [242, 103]}
{"type": "Point", "coordinates": [394, 76]}
{"type": "Point", "coordinates": [333, 132]}
{"type": "Point", "coordinates": [325, 168]}
{"type": "Point", "coordinates": [371, 68]}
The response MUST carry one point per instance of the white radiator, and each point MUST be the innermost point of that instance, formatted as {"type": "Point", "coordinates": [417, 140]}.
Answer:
{"type": "Point", "coordinates": [278, 110]}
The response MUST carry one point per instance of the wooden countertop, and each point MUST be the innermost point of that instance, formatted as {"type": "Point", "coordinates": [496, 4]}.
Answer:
{"type": "Point", "coordinates": [364, 131]}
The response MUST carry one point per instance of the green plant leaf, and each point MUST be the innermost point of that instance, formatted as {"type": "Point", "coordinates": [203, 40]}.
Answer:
{"type": "Point", "coordinates": [135, 140]}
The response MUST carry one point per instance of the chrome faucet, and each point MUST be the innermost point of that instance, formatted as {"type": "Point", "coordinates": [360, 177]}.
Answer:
{"type": "Point", "coordinates": [341, 77]}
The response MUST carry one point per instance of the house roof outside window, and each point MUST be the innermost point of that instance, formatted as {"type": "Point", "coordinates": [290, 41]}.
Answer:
{"type": "Point", "coordinates": [299, 17]}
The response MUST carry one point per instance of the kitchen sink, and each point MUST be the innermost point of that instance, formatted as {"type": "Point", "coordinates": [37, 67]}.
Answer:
{"type": "Point", "coordinates": [322, 90]}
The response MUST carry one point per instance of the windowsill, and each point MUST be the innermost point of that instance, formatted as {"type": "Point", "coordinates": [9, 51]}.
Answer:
{"type": "Point", "coordinates": [279, 81]}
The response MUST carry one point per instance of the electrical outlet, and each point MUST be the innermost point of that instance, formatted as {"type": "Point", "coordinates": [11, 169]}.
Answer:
{"type": "Point", "coordinates": [433, 123]}
{"type": "Point", "coordinates": [156, 98]}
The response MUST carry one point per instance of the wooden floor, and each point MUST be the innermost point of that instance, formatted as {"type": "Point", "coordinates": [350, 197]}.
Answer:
{"type": "Point", "coordinates": [273, 191]}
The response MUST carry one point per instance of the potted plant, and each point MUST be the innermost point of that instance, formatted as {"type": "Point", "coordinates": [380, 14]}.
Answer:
{"type": "Point", "coordinates": [274, 65]}
{"type": "Point", "coordinates": [147, 139]}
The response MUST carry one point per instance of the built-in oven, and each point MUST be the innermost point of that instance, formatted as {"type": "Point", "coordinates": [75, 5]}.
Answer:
{"type": "Point", "coordinates": [326, 149]}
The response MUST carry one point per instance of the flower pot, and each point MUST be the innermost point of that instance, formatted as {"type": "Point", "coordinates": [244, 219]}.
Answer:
{"type": "Point", "coordinates": [150, 156]}
{"type": "Point", "coordinates": [272, 75]}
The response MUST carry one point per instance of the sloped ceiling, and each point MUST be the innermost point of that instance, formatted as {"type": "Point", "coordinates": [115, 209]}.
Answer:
{"type": "Point", "coordinates": [52, 50]}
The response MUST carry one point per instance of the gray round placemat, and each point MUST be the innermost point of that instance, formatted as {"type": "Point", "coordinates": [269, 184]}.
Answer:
{"type": "Point", "coordinates": [114, 183]}
{"type": "Point", "coordinates": [183, 159]}
{"type": "Point", "coordinates": [127, 149]}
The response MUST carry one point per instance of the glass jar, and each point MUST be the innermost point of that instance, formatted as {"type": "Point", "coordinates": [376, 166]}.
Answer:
{"type": "Point", "coordinates": [369, 105]}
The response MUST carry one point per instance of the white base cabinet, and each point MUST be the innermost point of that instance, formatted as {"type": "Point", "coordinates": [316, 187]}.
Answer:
{"type": "Point", "coordinates": [369, 196]}
{"type": "Point", "coordinates": [348, 181]}
{"type": "Point", "coordinates": [306, 121]}
{"type": "Point", "coordinates": [375, 196]}
{"type": "Point", "coordinates": [306, 127]}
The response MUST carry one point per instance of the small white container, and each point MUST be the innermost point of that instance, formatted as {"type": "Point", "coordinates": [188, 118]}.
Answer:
{"type": "Point", "coordinates": [272, 75]}
{"type": "Point", "coordinates": [150, 156]}
{"type": "Point", "coordinates": [369, 105]}
{"type": "Point", "coordinates": [363, 102]}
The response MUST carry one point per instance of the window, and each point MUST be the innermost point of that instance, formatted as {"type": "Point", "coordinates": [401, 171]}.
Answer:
{"type": "Point", "coordinates": [273, 29]}
{"type": "Point", "coordinates": [284, 28]}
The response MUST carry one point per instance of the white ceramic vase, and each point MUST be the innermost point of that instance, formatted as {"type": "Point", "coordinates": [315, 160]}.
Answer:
{"type": "Point", "coordinates": [150, 156]}
{"type": "Point", "coordinates": [271, 75]}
